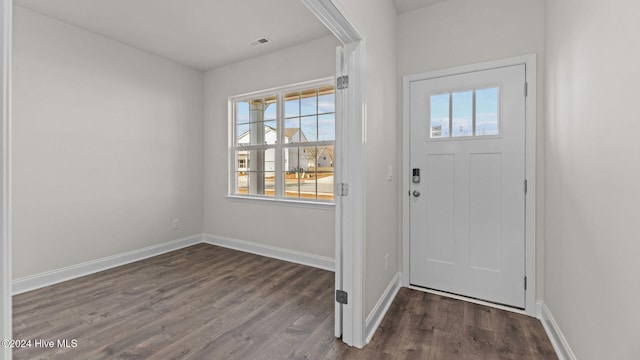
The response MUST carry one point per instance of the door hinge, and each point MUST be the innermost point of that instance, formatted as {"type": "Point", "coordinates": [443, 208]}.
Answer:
{"type": "Point", "coordinates": [342, 82]}
{"type": "Point", "coordinates": [525, 283]}
{"type": "Point", "coordinates": [526, 89]}
{"type": "Point", "coordinates": [342, 189]}
{"type": "Point", "coordinates": [341, 297]}
{"type": "Point", "coordinates": [526, 186]}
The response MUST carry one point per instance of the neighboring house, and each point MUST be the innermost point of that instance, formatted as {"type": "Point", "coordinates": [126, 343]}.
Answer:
{"type": "Point", "coordinates": [270, 137]}
{"type": "Point", "coordinates": [295, 158]}
{"type": "Point", "coordinates": [294, 135]}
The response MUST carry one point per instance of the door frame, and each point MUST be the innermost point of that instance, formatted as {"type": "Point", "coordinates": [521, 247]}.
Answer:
{"type": "Point", "coordinates": [530, 167]}
{"type": "Point", "coordinates": [6, 15]}
{"type": "Point", "coordinates": [350, 120]}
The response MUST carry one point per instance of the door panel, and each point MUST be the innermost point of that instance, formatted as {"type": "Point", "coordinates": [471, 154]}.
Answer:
{"type": "Point", "coordinates": [484, 212]}
{"type": "Point", "coordinates": [440, 208]}
{"type": "Point", "coordinates": [467, 224]}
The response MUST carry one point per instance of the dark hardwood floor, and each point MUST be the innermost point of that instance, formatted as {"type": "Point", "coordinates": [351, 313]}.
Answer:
{"type": "Point", "coordinates": [207, 302]}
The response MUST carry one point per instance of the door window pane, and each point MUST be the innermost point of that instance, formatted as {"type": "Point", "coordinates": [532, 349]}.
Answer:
{"type": "Point", "coordinates": [439, 116]}
{"type": "Point", "coordinates": [462, 114]}
{"type": "Point", "coordinates": [487, 111]}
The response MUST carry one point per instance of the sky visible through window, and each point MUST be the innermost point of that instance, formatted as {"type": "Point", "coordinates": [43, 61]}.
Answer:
{"type": "Point", "coordinates": [486, 111]}
{"type": "Point", "coordinates": [322, 106]}
{"type": "Point", "coordinates": [307, 107]}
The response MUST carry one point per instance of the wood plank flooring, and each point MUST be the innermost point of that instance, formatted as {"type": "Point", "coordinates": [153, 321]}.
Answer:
{"type": "Point", "coordinates": [207, 302]}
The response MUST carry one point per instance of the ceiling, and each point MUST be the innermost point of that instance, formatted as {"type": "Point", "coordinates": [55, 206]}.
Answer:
{"type": "Point", "coordinates": [203, 34]}
{"type": "Point", "coordinates": [403, 6]}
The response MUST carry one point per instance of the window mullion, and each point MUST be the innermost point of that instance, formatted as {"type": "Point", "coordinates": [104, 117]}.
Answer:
{"type": "Point", "coordinates": [279, 180]}
{"type": "Point", "coordinates": [473, 115]}
{"type": "Point", "coordinates": [231, 157]}
{"type": "Point", "coordinates": [450, 114]}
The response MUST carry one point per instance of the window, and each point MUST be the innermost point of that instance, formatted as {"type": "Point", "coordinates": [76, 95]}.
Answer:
{"type": "Point", "coordinates": [465, 113]}
{"type": "Point", "coordinates": [283, 143]}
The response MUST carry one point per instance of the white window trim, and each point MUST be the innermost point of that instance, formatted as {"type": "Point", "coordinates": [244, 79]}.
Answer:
{"type": "Point", "coordinates": [278, 146]}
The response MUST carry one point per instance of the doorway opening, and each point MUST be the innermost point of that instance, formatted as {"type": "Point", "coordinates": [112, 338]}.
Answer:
{"type": "Point", "coordinates": [469, 186]}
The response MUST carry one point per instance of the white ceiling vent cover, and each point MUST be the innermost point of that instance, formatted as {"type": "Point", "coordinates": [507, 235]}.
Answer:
{"type": "Point", "coordinates": [260, 41]}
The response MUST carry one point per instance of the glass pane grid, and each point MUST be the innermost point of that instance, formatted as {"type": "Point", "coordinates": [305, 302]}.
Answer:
{"type": "Point", "coordinates": [464, 114]}
{"type": "Point", "coordinates": [307, 171]}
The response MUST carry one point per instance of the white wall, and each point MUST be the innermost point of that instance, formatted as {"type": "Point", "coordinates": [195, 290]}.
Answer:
{"type": "Point", "coordinates": [461, 32]}
{"type": "Point", "coordinates": [293, 227]}
{"type": "Point", "coordinates": [592, 176]}
{"type": "Point", "coordinates": [107, 146]}
{"type": "Point", "coordinates": [377, 21]}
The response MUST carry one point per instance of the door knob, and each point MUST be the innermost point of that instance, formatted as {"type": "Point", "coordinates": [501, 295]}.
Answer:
{"type": "Point", "coordinates": [416, 193]}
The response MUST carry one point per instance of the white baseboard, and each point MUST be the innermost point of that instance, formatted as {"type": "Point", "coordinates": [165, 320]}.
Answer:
{"type": "Point", "coordinates": [37, 281]}
{"type": "Point", "coordinates": [293, 256]}
{"type": "Point", "coordinates": [377, 314]}
{"type": "Point", "coordinates": [71, 272]}
{"type": "Point", "coordinates": [559, 342]}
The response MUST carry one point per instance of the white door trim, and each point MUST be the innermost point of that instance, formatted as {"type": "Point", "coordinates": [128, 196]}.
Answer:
{"type": "Point", "coordinates": [530, 167]}
{"type": "Point", "coordinates": [5, 193]}
{"type": "Point", "coordinates": [350, 138]}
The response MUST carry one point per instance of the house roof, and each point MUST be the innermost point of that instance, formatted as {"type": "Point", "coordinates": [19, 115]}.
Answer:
{"type": "Point", "coordinates": [267, 129]}
{"type": "Point", "coordinates": [288, 132]}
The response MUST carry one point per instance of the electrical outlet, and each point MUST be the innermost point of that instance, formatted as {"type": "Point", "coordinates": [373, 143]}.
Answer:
{"type": "Point", "coordinates": [176, 224]}
{"type": "Point", "coordinates": [386, 262]}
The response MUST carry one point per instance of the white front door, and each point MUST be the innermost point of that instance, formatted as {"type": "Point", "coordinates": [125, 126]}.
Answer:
{"type": "Point", "coordinates": [467, 211]}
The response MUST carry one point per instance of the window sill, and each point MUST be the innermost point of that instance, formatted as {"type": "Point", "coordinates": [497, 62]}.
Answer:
{"type": "Point", "coordinates": [283, 202]}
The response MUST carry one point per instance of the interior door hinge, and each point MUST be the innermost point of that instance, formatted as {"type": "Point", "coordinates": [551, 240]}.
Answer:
{"type": "Point", "coordinates": [342, 82]}
{"type": "Point", "coordinates": [341, 297]}
{"type": "Point", "coordinates": [526, 89]}
{"type": "Point", "coordinates": [342, 189]}
{"type": "Point", "coordinates": [525, 283]}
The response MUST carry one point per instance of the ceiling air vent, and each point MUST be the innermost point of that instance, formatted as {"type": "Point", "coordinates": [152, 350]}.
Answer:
{"type": "Point", "coordinates": [260, 41]}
